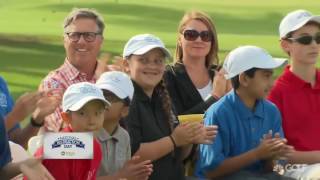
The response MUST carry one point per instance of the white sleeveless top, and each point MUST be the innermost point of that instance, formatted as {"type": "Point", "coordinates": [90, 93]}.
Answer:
{"type": "Point", "coordinates": [205, 91]}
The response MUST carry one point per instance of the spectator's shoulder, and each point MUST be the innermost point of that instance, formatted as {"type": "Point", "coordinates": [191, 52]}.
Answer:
{"type": "Point", "coordinates": [124, 132]}
{"type": "Point", "coordinates": [270, 106]}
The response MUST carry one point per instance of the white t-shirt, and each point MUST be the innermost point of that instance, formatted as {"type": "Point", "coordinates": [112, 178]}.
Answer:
{"type": "Point", "coordinates": [206, 91]}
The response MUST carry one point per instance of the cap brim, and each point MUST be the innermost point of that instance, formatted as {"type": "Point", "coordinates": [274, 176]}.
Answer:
{"type": "Point", "coordinates": [78, 105]}
{"type": "Point", "coordinates": [313, 18]}
{"type": "Point", "coordinates": [150, 47]}
{"type": "Point", "coordinates": [118, 92]}
{"type": "Point", "coordinates": [277, 62]}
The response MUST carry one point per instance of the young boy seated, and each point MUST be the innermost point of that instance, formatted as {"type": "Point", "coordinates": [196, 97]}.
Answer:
{"type": "Point", "coordinates": [83, 107]}
{"type": "Point", "coordinates": [297, 91]}
{"type": "Point", "coordinates": [250, 135]}
{"type": "Point", "coordinates": [115, 141]}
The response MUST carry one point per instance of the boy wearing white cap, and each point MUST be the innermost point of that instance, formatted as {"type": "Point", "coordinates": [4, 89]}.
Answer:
{"type": "Point", "coordinates": [245, 146]}
{"type": "Point", "coordinates": [83, 107]}
{"type": "Point", "coordinates": [115, 141]}
{"type": "Point", "coordinates": [297, 91]}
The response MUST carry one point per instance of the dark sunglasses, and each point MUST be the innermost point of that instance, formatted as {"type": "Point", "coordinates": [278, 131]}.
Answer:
{"type": "Point", "coordinates": [192, 35]}
{"type": "Point", "coordinates": [87, 36]}
{"type": "Point", "coordinates": [306, 40]}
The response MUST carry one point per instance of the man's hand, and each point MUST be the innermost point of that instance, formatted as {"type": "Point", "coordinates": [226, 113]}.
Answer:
{"type": "Point", "coordinates": [23, 107]}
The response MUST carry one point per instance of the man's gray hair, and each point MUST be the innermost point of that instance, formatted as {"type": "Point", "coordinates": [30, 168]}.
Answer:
{"type": "Point", "coordinates": [78, 13]}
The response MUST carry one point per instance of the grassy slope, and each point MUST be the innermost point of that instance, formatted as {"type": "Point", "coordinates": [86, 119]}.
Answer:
{"type": "Point", "coordinates": [30, 31]}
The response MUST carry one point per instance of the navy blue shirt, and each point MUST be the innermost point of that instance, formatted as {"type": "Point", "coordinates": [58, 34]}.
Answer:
{"type": "Point", "coordinates": [5, 155]}
{"type": "Point", "coordinates": [6, 101]}
{"type": "Point", "coordinates": [240, 130]}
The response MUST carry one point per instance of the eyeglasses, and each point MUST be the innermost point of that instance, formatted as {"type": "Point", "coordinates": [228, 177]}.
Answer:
{"type": "Point", "coordinates": [87, 36]}
{"type": "Point", "coordinates": [306, 40]}
{"type": "Point", "coordinates": [192, 35]}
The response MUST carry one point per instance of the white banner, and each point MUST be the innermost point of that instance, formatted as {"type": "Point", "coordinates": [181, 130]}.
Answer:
{"type": "Point", "coordinates": [68, 145]}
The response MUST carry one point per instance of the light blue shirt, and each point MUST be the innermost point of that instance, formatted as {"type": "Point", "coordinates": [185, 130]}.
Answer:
{"type": "Point", "coordinates": [239, 130]}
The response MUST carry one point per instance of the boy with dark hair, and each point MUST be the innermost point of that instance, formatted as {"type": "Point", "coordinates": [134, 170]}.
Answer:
{"type": "Point", "coordinates": [245, 146]}
{"type": "Point", "coordinates": [115, 141]}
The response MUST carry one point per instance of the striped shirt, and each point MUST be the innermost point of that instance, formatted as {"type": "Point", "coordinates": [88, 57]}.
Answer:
{"type": "Point", "coordinates": [61, 79]}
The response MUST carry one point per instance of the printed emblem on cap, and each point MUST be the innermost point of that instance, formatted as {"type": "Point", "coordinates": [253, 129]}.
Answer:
{"type": "Point", "coordinates": [304, 14]}
{"type": "Point", "coordinates": [151, 39]}
{"type": "Point", "coordinates": [115, 79]}
{"type": "Point", "coordinates": [87, 90]}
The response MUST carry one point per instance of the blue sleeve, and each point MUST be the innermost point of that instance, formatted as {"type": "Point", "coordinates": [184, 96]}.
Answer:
{"type": "Point", "coordinates": [6, 102]}
{"type": "Point", "coordinates": [5, 155]}
{"type": "Point", "coordinates": [278, 122]}
{"type": "Point", "coordinates": [212, 155]}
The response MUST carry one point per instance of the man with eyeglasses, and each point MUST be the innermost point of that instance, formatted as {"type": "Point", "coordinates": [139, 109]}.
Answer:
{"type": "Point", "coordinates": [297, 91]}
{"type": "Point", "coordinates": [83, 38]}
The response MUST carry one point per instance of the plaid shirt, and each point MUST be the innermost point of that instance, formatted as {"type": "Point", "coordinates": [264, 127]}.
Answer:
{"type": "Point", "coordinates": [61, 79]}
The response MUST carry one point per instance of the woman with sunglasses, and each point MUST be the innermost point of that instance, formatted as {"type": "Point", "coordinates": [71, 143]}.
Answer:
{"type": "Point", "coordinates": [193, 81]}
{"type": "Point", "coordinates": [297, 91]}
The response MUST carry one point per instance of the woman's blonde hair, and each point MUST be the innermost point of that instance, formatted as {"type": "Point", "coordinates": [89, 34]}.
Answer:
{"type": "Point", "coordinates": [212, 57]}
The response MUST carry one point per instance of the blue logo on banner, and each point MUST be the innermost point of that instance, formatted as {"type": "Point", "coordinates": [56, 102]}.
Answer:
{"type": "Point", "coordinates": [67, 142]}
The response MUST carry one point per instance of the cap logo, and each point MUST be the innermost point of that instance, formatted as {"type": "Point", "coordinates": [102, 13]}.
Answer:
{"type": "Point", "coordinates": [87, 90]}
{"type": "Point", "coordinates": [303, 14]}
{"type": "Point", "coordinates": [151, 39]}
{"type": "Point", "coordinates": [115, 79]}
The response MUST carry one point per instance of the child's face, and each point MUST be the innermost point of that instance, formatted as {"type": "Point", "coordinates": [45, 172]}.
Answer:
{"type": "Point", "coordinates": [116, 110]}
{"type": "Point", "coordinates": [260, 84]}
{"type": "Point", "coordinates": [147, 70]}
{"type": "Point", "coordinates": [89, 118]}
{"type": "Point", "coordinates": [302, 54]}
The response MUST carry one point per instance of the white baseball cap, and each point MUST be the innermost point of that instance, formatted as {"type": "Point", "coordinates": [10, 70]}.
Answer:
{"type": "Point", "coordinates": [244, 58]}
{"type": "Point", "coordinates": [142, 43]}
{"type": "Point", "coordinates": [77, 95]}
{"type": "Point", "coordinates": [116, 82]}
{"type": "Point", "coordinates": [295, 20]}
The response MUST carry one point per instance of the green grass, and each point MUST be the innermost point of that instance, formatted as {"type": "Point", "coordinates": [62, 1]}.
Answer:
{"type": "Point", "coordinates": [31, 31]}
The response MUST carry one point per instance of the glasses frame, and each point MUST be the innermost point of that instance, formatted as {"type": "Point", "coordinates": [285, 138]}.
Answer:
{"type": "Point", "coordinates": [306, 39]}
{"type": "Point", "coordinates": [203, 35]}
{"type": "Point", "coordinates": [86, 36]}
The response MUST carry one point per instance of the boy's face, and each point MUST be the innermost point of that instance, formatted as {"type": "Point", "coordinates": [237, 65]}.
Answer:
{"type": "Point", "coordinates": [260, 84]}
{"type": "Point", "coordinates": [303, 54]}
{"type": "Point", "coordinates": [89, 118]}
{"type": "Point", "coordinates": [116, 110]}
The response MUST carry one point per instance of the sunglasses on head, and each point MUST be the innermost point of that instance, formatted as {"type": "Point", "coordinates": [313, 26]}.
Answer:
{"type": "Point", "coordinates": [192, 35]}
{"type": "Point", "coordinates": [306, 40]}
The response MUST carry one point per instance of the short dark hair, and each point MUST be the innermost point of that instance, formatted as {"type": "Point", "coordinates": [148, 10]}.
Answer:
{"type": "Point", "coordinates": [235, 80]}
{"type": "Point", "coordinates": [111, 97]}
